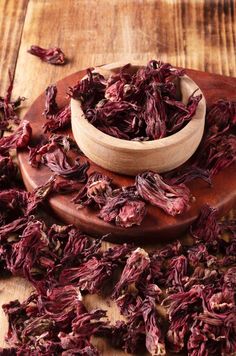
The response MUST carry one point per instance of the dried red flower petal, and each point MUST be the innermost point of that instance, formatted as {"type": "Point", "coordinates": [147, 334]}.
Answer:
{"type": "Point", "coordinates": [128, 303]}
{"type": "Point", "coordinates": [61, 304]}
{"type": "Point", "coordinates": [8, 172]}
{"type": "Point", "coordinates": [87, 324]}
{"type": "Point", "coordinates": [135, 106]}
{"type": "Point", "coordinates": [221, 116]}
{"type": "Point", "coordinates": [15, 226]}
{"type": "Point", "coordinates": [39, 194]}
{"type": "Point", "coordinates": [173, 199]}
{"type": "Point", "coordinates": [182, 309]}
{"type": "Point", "coordinates": [119, 85]}
{"type": "Point", "coordinates": [118, 253]}
{"type": "Point", "coordinates": [132, 213]}
{"type": "Point", "coordinates": [142, 327]}
{"type": "Point", "coordinates": [89, 276]}
{"type": "Point", "coordinates": [155, 115]}
{"type": "Point", "coordinates": [206, 229]}
{"type": "Point", "coordinates": [230, 278]}
{"type": "Point", "coordinates": [177, 274]}
{"type": "Point", "coordinates": [154, 337]}
{"type": "Point", "coordinates": [135, 265]}
{"type": "Point", "coordinates": [124, 208]}
{"type": "Point", "coordinates": [90, 90]}
{"type": "Point", "coordinates": [170, 250]}
{"type": "Point", "coordinates": [197, 254]}
{"type": "Point", "coordinates": [24, 253]}
{"type": "Point", "coordinates": [203, 276]}
{"type": "Point", "coordinates": [118, 119]}
{"type": "Point", "coordinates": [51, 106]}
{"type": "Point", "coordinates": [34, 325]}
{"type": "Point", "coordinates": [216, 152]}
{"type": "Point", "coordinates": [8, 107]}
{"type": "Point", "coordinates": [179, 114]}
{"type": "Point", "coordinates": [19, 139]}
{"type": "Point", "coordinates": [37, 152]}
{"type": "Point", "coordinates": [186, 174]}
{"type": "Point", "coordinates": [14, 200]}
{"type": "Point", "coordinates": [96, 190]}
{"type": "Point", "coordinates": [51, 55]}
{"type": "Point", "coordinates": [64, 186]}
{"type": "Point", "coordinates": [56, 159]}
{"type": "Point", "coordinates": [59, 120]}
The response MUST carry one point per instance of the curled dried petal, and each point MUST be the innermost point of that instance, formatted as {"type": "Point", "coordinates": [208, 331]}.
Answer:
{"type": "Point", "coordinates": [173, 199]}
{"type": "Point", "coordinates": [51, 55]}
{"type": "Point", "coordinates": [19, 139]}
{"type": "Point", "coordinates": [135, 265]}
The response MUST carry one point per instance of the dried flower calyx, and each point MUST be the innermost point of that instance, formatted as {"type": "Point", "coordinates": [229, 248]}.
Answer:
{"type": "Point", "coordinates": [142, 106]}
{"type": "Point", "coordinates": [124, 207]}
{"type": "Point", "coordinates": [51, 55]}
{"type": "Point", "coordinates": [96, 190]}
{"type": "Point", "coordinates": [173, 199]}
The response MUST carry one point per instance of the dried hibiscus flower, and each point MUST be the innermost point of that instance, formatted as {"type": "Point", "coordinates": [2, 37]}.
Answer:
{"type": "Point", "coordinates": [142, 327]}
{"type": "Point", "coordinates": [57, 161]}
{"type": "Point", "coordinates": [216, 152]}
{"type": "Point", "coordinates": [139, 106]}
{"type": "Point", "coordinates": [186, 174]}
{"type": "Point", "coordinates": [59, 120]}
{"type": "Point", "coordinates": [96, 190]}
{"type": "Point", "coordinates": [53, 155]}
{"type": "Point", "coordinates": [182, 309]}
{"type": "Point", "coordinates": [89, 276]}
{"type": "Point", "coordinates": [90, 90]}
{"type": "Point", "coordinates": [179, 114]}
{"type": "Point", "coordinates": [51, 106]}
{"type": "Point", "coordinates": [173, 199]}
{"type": "Point", "coordinates": [19, 139]}
{"type": "Point", "coordinates": [56, 323]}
{"type": "Point", "coordinates": [8, 107]}
{"type": "Point", "coordinates": [154, 338]}
{"type": "Point", "coordinates": [155, 115]}
{"type": "Point", "coordinates": [221, 116]}
{"type": "Point", "coordinates": [124, 207]}
{"type": "Point", "coordinates": [56, 118]}
{"type": "Point", "coordinates": [8, 172]}
{"type": "Point", "coordinates": [207, 229]}
{"type": "Point", "coordinates": [177, 274]}
{"type": "Point", "coordinates": [135, 265]}
{"type": "Point", "coordinates": [50, 55]}
{"type": "Point", "coordinates": [36, 153]}
{"type": "Point", "coordinates": [24, 252]}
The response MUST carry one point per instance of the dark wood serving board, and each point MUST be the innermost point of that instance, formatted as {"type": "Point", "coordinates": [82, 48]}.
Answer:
{"type": "Point", "coordinates": [157, 226]}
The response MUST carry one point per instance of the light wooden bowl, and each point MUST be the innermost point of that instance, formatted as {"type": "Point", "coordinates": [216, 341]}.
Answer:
{"type": "Point", "coordinates": [131, 157]}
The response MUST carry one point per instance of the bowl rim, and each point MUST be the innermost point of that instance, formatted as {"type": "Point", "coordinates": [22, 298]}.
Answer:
{"type": "Point", "coordinates": [128, 145]}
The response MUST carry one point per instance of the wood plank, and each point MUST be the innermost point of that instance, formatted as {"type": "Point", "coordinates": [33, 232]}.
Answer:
{"type": "Point", "coordinates": [197, 34]}
{"type": "Point", "coordinates": [200, 35]}
{"type": "Point", "coordinates": [12, 14]}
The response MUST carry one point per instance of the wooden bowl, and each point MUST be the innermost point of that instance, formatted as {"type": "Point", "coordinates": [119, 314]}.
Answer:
{"type": "Point", "coordinates": [131, 157]}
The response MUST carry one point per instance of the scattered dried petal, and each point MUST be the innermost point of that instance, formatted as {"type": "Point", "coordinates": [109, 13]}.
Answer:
{"type": "Point", "coordinates": [173, 199]}
{"type": "Point", "coordinates": [51, 55]}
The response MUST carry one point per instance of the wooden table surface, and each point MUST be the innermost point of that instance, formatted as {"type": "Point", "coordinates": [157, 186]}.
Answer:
{"type": "Point", "coordinates": [195, 34]}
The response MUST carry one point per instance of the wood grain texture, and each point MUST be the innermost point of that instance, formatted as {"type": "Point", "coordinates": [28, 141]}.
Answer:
{"type": "Point", "coordinates": [12, 15]}
{"type": "Point", "coordinates": [196, 34]}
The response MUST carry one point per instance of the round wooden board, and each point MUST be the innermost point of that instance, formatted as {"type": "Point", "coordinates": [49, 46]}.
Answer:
{"type": "Point", "coordinates": [157, 226]}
